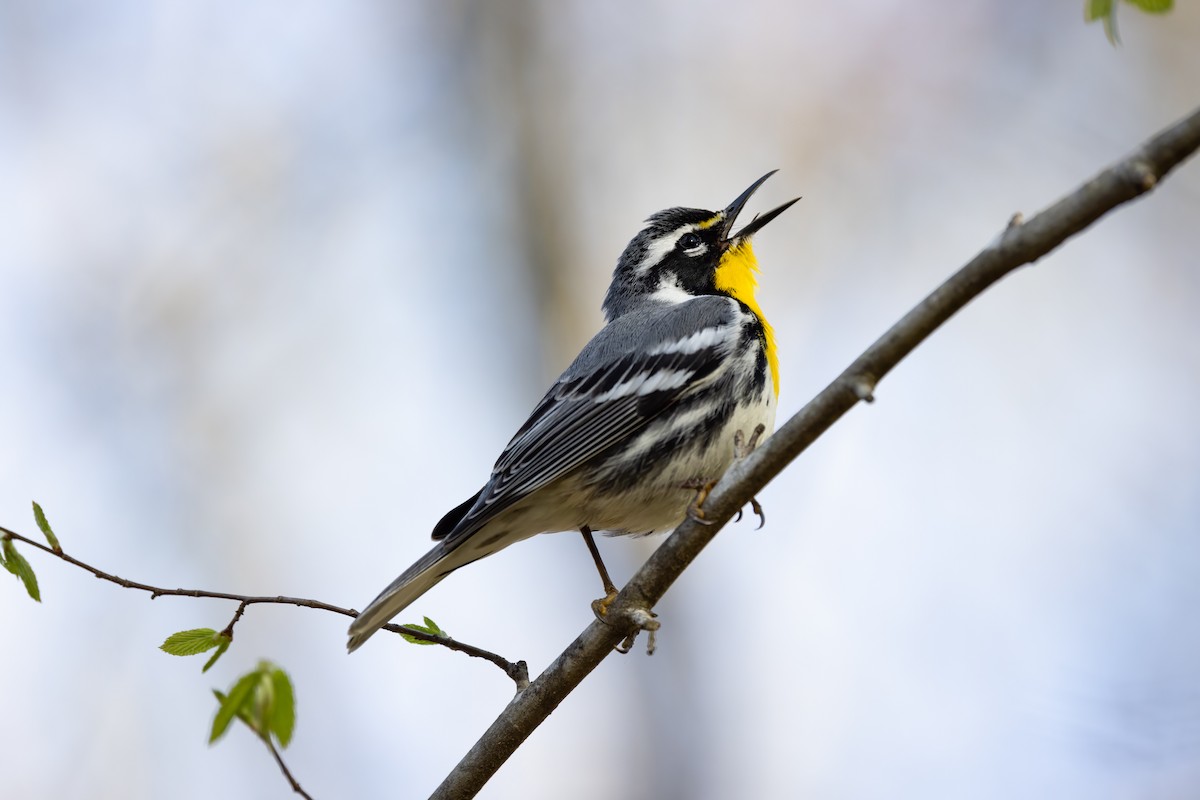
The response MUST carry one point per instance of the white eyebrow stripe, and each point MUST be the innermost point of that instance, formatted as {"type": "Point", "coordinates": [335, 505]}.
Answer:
{"type": "Point", "coordinates": [661, 246]}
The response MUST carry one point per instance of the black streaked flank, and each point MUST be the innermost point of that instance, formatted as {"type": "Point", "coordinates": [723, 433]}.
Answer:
{"type": "Point", "coordinates": [615, 471]}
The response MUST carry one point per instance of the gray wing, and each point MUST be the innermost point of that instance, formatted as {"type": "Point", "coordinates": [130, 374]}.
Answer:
{"type": "Point", "coordinates": [635, 368]}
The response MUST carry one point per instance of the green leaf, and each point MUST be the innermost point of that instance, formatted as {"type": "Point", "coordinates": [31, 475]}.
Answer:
{"type": "Point", "coordinates": [429, 627]}
{"type": "Point", "coordinates": [223, 645]}
{"type": "Point", "coordinates": [1097, 9]}
{"type": "Point", "coordinates": [264, 700]}
{"type": "Point", "coordinates": [1153, 6]}
{"type": "Point", "coordinates": [44, 524]}
{"type": "Point", "coordinates": [242, 714]}
{"type": "Point", "coordinates": [236, 703]}
{"type": "Point", "coordinates": [282, 713]}
{"type": "Point", "coordinates": [15, 563]}
{"type": "Point", "coordinates": [1105, 10]}
{"type": "Point", "coordinates": [191, 643]}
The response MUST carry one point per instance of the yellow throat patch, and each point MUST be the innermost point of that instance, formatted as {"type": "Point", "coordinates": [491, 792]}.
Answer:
{"type": "Point", "coordinates": [735, 276]}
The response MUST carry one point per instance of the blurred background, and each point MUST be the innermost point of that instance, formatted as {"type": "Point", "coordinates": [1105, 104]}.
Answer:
{"type": "Point", "coordinates": [278, 280]}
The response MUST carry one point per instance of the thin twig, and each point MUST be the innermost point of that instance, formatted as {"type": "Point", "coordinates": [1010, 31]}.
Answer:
{"type": "Point", "coordinates": [241, 609]}
{"type": "Point", "coordinates": [1020, 243]}
{"type": "Point", "coordinates": [518, 672]}
{"type": "Point", "coordinates": [287, 773]}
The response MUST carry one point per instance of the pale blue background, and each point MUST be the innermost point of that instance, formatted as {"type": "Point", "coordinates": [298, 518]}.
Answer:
{"type": "Point", "coordinates": [279, 279]}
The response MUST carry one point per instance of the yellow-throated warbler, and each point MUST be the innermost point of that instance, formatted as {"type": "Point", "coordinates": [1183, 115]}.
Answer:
{"type": "Point", "coordinates": [647, 411]}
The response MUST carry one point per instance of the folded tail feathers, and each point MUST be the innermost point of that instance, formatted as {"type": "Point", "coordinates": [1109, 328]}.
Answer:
{"type": "Point", "coordinates": [445, 557]}
{"type": "Point", "coordinates": [414, 582]}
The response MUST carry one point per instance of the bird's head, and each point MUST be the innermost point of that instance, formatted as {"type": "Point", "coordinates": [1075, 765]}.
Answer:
{"type": "Point", "coordinates": [688, 252]}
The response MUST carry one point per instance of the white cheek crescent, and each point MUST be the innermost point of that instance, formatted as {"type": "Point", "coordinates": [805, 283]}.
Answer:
{"type": "Point", "coordinates": [669, 291]}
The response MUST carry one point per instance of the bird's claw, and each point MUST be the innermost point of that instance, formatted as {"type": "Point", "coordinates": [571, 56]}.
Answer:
{"type": "Point", "coordinates": [743, 447]}
{"type": "Point", "coordinates": [644, 620]}
{"type": "Point", "coordinates": [702, 488]}
{"type": "Point", "coordinates": [600, 605]}
{"type": "Point", "coordinates": [758, 509]}
{"type": "Point", "coordinates": [637, 619]}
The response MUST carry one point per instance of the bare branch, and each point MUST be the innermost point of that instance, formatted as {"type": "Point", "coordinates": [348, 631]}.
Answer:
{"type": "Point", "coordinates": [287, 773]}
{"type": "Point", "coordinates": [518, 672]}
{"type": "Point", "coordinates": [241, 609]}
{"type": "Point", "coordinates": [1019, 244]}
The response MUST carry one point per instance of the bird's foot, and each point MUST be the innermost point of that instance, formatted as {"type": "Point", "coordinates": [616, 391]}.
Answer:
{"type": "Point", "coordinates": [635, 620]}
{"type": "Point", "coordinates": [643, 620]}
{"type": "Point", "coordinates": [600, 605]}
{"type": "Point", "coordinates": [702, 488]}
{"type": "Point", "coordinates": [757, 508]}
{"type": "Point", "coordinates": [743, 447]}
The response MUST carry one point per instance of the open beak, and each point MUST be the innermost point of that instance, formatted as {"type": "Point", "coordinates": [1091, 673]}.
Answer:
{"type": "Point", "coordinates": [733, 209]}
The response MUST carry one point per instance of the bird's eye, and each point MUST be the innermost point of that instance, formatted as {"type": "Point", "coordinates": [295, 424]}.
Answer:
{"type": "Point", "coordinates": [690, 241]}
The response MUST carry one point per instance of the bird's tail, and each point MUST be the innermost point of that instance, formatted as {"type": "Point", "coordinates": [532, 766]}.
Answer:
{"type": "Point", "coordinates": [414, 582]}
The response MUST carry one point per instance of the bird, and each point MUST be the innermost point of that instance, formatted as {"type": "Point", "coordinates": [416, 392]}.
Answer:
{"type": "Point", "coordinates": [645, 418]}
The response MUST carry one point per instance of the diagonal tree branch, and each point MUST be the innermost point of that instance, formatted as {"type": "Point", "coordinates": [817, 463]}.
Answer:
{"type": "Point", "coordinates": [283, 767]}
{"type": "Point", "coordinates": [517, 671]}
{"type": "Point", "coordinates": [1021, 243]}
